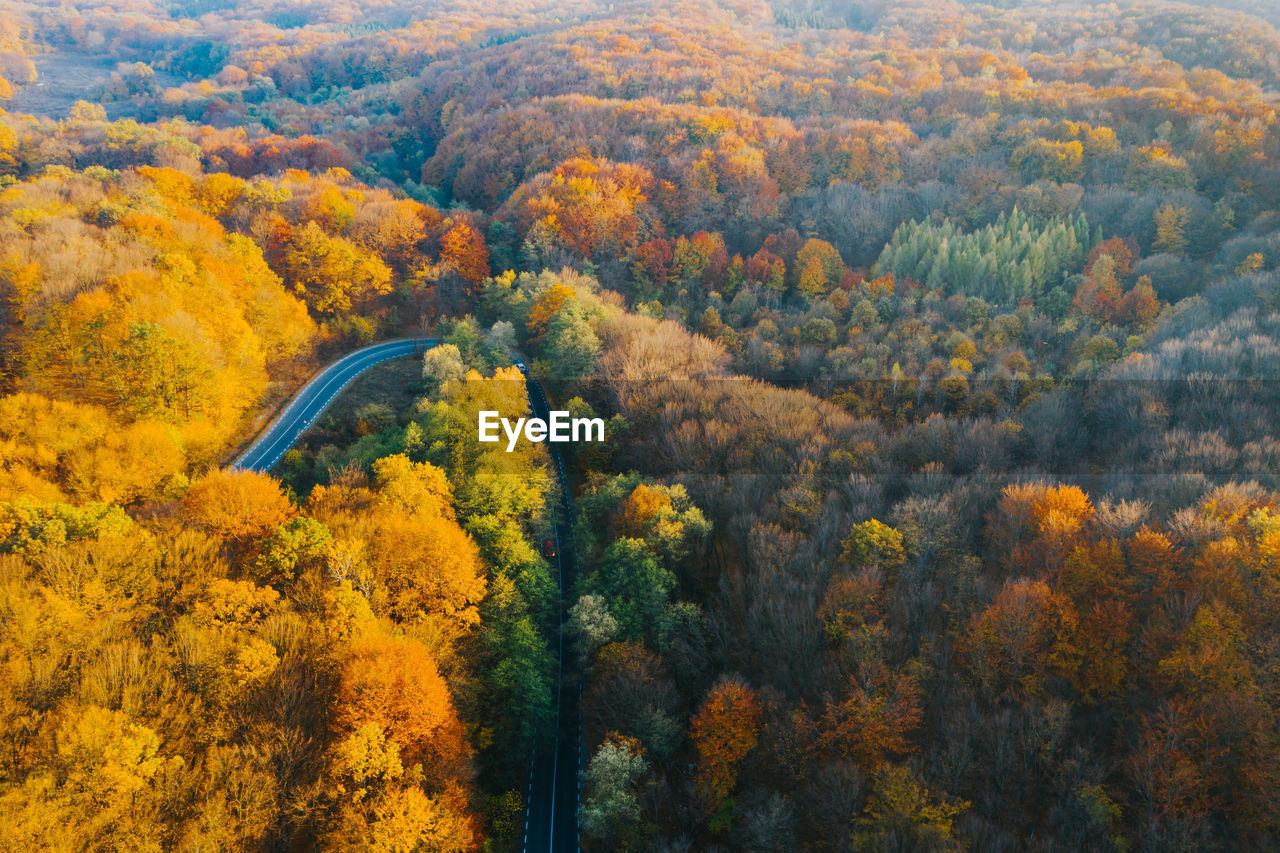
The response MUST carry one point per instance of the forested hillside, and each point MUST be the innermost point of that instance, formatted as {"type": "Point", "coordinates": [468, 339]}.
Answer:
{"type": "Point", "coordinates": [937, 345]}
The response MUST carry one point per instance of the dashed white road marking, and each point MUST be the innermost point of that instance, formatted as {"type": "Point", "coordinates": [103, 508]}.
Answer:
{"type": "Point", "coordinates": [287, 427]}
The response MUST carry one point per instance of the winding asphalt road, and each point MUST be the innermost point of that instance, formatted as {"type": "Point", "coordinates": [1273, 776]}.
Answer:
{"type": "Point", "coordinates": [316, 396]}
{"type": "Point", "coordinates": [551, 813]}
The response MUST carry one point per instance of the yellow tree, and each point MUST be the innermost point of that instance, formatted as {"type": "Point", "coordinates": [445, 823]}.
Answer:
{"type": "Point", "coordinates": [412, 488]}
{"type": "Point", "coordinates": [902, 815]}
{"type": "Point", "coordinates": [818, 267]}
{"type": "Point", "coordinates": [406, 819]}
{"type": "Point", "coordinates": [723, 732]}
{"type": "Point", "coordinates": [98, 793]}
{"type": "Point", "coordinates": [546, 306]}
{"type": "Point", "coordinates": [462, 250]}
{"type": "Point", "coordinates": [331, 273]}
{"type": "Point", "coordinates": [1022, 638]}
{"type": "Point", "coordinates": [431, 568]}
{"type": "Point", "coordinates": [637, 511]}
{"type": "Point", "coordinates": [1171, 228]}
{"type": "Point", "coordinates": [395, 683]}
{"type": "Point", "coordinates": [875, 721]}
{"type": "Point", "coordinates": [239, 505]}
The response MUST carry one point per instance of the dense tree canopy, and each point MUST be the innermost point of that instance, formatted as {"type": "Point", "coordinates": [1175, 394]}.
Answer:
{"type": "Point", "coordinates": [937, 348]}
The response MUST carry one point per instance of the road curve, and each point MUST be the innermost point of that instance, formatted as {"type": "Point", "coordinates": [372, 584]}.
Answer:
{"type": "Point", "coordinates": [316, 396]}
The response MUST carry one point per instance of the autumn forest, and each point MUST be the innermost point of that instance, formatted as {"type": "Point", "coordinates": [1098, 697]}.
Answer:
{"type": "Point", "coordinates": [937, 344]}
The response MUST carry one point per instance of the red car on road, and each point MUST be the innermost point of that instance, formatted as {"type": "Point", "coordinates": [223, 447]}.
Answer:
{"type": "Point", "coordinates": [549, 549]}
